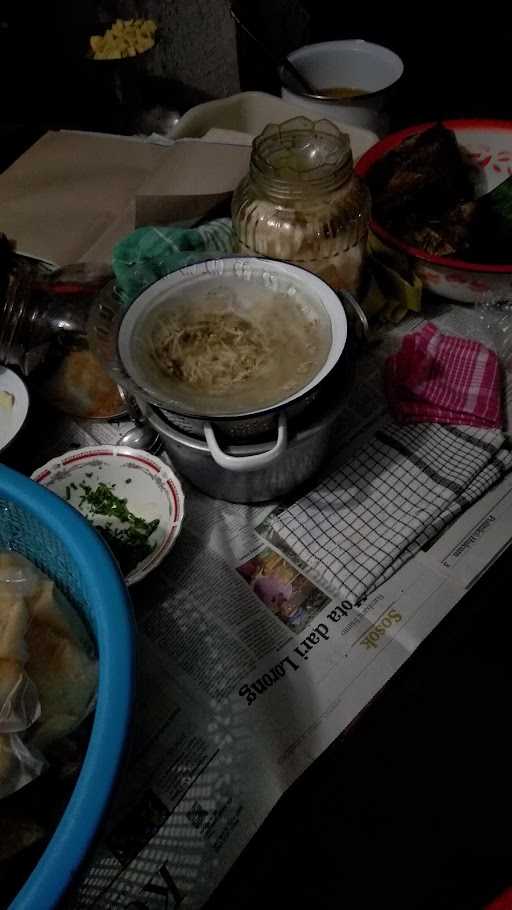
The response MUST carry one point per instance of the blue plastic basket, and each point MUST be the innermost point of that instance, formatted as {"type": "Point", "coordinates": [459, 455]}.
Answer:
{"type": "Point", "coordinates": [56, 538]}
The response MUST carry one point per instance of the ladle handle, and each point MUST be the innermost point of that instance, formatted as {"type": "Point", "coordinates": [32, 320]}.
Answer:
{"type": "Point", "coordinates": [284, 62]}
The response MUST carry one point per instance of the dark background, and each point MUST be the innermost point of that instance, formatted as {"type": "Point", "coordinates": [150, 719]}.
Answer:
{"type": "Point", "coordinates": [456, 63]}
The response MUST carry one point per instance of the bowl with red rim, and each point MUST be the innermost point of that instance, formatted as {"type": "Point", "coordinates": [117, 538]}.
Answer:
{"type": "Point", "coordinates": [488, 143]}
{"type": "Point", "coordinates": [132, 498]}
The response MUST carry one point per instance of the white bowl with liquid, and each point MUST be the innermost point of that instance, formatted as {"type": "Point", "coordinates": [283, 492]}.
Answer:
{"type": "Point", "coordinates": [370, 70]}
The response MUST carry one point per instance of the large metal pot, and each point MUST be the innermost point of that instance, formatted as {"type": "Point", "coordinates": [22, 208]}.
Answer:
{"type": "Point", "coordinates": [265, 432]}
{"type": "Point", "coordinates": [257, 472]}
{"type": "Point", "coordinates": [252, 445]}
{"type": "Point", "coordinates": [301, 458]}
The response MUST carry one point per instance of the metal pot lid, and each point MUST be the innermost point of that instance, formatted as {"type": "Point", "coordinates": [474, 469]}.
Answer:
{"type": "Point", "coordinates": [270, 295]}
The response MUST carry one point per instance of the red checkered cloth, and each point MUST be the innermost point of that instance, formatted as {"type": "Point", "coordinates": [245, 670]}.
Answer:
{"type": "Point", "coordinates": [436, 378]}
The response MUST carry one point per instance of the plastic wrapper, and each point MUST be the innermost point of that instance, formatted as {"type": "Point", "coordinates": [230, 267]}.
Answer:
{"type": "Point", "coordinates": [494, 328]}
{"type": "Point", "coordinates": [495, 318]}
{"type": "Point", "coordinates": [48, 672]}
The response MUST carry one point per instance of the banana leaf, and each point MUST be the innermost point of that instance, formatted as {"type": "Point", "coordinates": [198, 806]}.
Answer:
{"type": "Point", "coordinates": [493, 241]}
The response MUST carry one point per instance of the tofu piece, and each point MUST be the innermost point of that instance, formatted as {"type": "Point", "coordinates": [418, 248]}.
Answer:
{"type": "Point", "coordinates": [6, 401]}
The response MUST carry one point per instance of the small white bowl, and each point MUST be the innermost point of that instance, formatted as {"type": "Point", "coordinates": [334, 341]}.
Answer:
{"type": "Point", "coordinates": [356, 64]}
{"type": "Point", "coordinates": [13, 418]}
{"type": "Point", "coordinates": [151, 489]}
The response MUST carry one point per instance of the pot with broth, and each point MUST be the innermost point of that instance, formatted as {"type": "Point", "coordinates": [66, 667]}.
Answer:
{"type": "Point", "coordinates": [232, 350]}
{"type": "Point", "coordinates": [236, 347]}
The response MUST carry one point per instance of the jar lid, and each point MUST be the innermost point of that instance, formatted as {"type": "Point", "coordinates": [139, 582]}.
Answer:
{"type": "Point", "coordinates": [304, 150]}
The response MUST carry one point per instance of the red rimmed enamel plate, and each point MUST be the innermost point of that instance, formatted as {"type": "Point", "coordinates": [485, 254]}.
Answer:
{"type": "Point", "coordinates": [489, 146]}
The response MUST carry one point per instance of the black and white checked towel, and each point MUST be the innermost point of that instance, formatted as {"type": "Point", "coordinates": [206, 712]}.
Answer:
{"type": "Point", "coordinates": [394, 494]}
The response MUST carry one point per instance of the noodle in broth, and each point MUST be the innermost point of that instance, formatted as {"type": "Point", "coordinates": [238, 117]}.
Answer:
{"type": "Point", "coordinates": [247, 348]}
{"type": "Point", "coordinates": [211, 351]}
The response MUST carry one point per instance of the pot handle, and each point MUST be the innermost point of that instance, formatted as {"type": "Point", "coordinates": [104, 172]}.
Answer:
{"type": "Point", "coordinates": [357, 316]}
{"type": "Point", "coordinates": [247, 462]}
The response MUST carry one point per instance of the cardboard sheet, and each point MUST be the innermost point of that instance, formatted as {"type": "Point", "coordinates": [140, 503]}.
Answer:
{"type": "Point", "coordinates": [71, 196]}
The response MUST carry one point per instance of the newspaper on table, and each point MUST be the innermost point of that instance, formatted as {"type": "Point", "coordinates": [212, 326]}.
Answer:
{"type": "Point", "coordinates": [249, 669]}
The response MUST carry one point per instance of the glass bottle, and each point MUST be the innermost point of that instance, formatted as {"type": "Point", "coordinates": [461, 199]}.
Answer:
{"type": "Point", "coordinates": [302, 202]}
{"type": "Point", "coordinates": [43, 332]}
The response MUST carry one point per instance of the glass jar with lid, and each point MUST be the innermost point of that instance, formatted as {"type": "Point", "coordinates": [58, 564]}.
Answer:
{"type": "Point", "coordinates": [302, 202]}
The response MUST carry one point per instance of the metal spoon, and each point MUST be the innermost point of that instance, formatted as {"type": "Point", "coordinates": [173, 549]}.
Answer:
{"type": "Point", "coordinates": [142, 435]}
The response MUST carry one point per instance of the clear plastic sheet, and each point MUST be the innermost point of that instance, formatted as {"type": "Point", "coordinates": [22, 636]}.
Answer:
{"type": "Point", "coordinates": [493, 319]}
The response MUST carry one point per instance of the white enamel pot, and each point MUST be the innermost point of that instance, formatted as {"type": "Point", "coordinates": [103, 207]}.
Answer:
{"type": "Point", "coordinates": [266, 424]}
